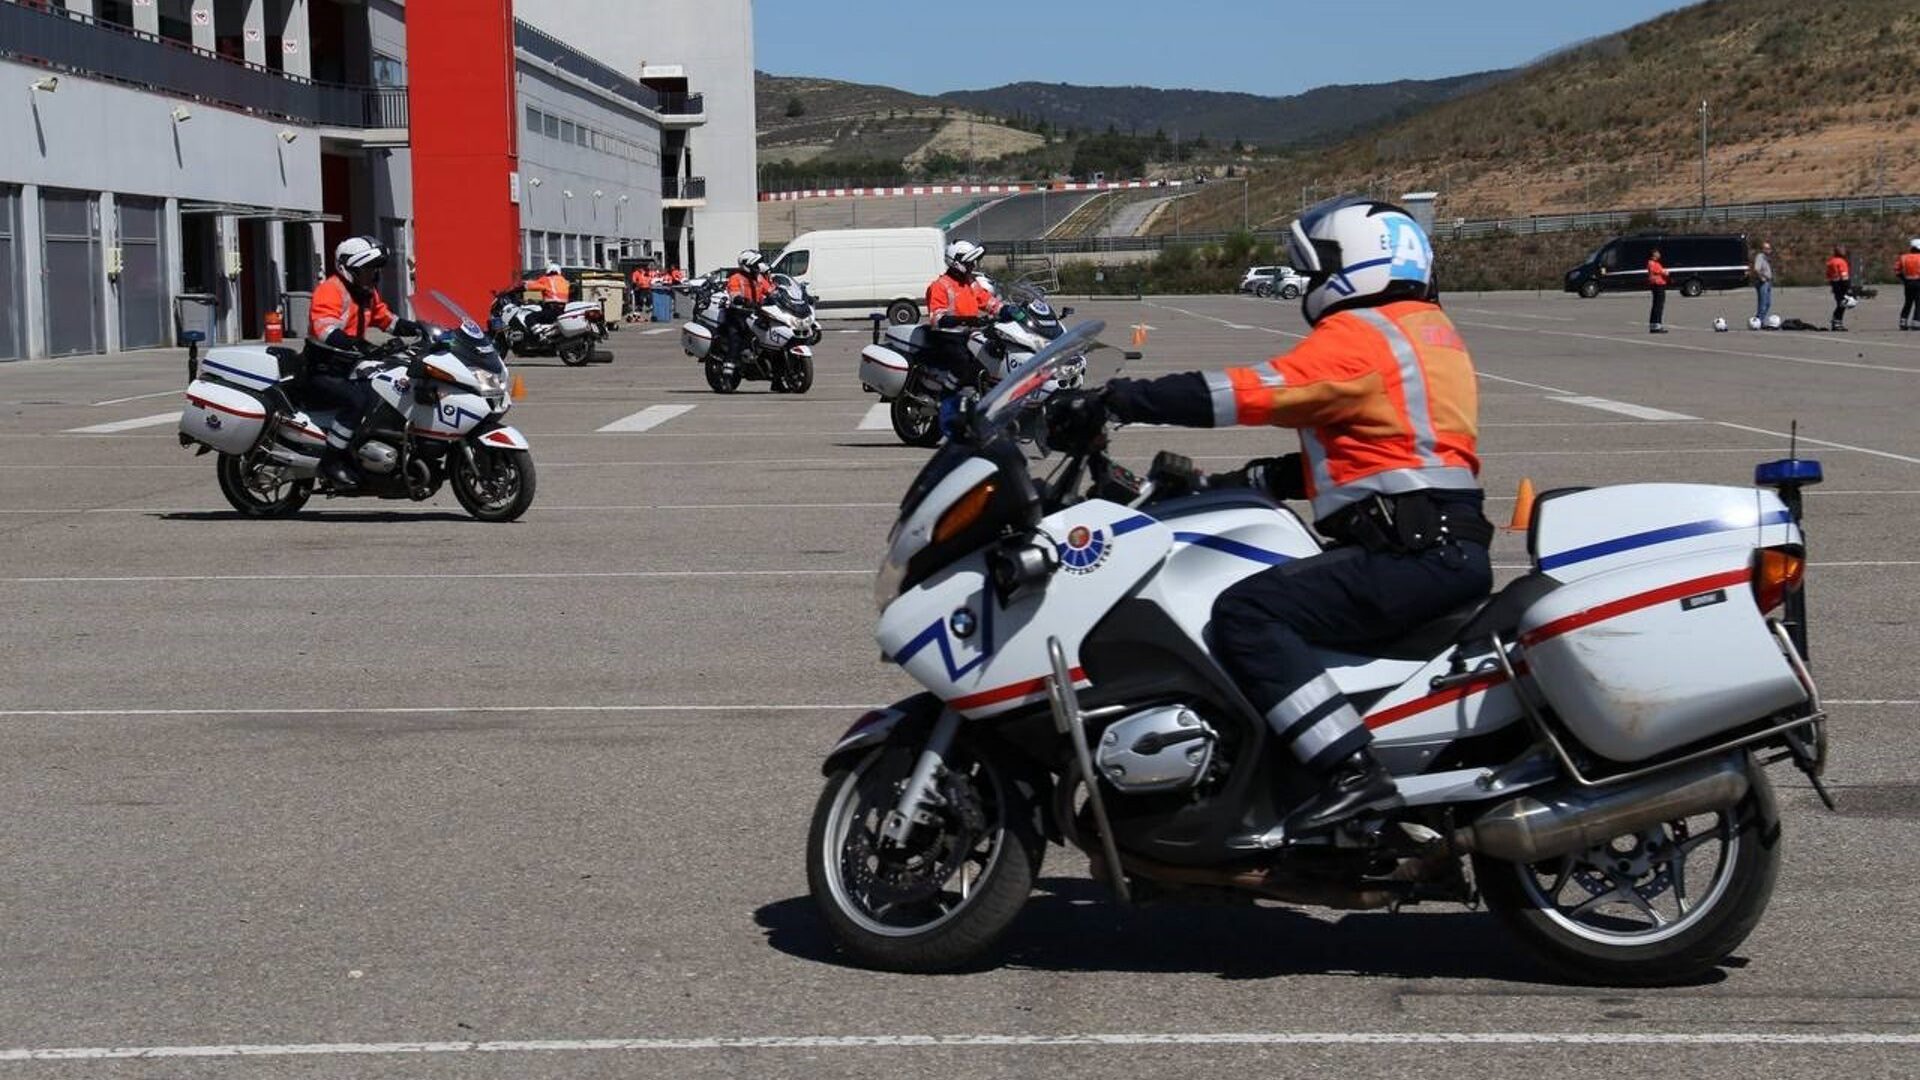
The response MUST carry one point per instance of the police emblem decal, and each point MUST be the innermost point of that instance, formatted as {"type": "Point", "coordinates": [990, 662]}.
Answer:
{"type": "Point", "coordinates": [1084, 550]}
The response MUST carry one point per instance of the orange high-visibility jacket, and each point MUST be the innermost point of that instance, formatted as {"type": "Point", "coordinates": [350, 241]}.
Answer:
{"type": "Point", "coordinates": [1838, 270]}
{"type": "Point", "coordinates": [1656, 274]}
{"type": "Point", "coordinates": [675, 277]}
{"type": "Point", "coordinates": [553, 287]}
{"type": "Point", "coordinates": [1384, 398]}
{"type": "Point", "coordinates": [967, 299]}
{"type": "Point", "coordinates": [755, 288]}
{"type": "Point", "coordinates": [1909, 266]}
{"type": "Point", "coordinates": [334, 308]}
{"type": "Point", "coordinates": [642, 278]}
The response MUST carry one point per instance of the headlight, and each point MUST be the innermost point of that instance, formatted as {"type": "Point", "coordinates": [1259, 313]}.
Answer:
{"type": "Point", "coordinates": [489, 382]}
{"type": "Point", "coordinates": [886, 582]}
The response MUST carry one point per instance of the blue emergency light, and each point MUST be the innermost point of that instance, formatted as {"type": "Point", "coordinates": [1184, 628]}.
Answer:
{"type": "Point", "coordinates": [1798, 471]}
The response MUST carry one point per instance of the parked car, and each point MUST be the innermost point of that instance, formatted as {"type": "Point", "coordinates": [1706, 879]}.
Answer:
{"type": "Point", "coordinates": [1695, 263]}
{"type": "Point", "coordinates": [1282, 281]}
{"type": "Point", "coordinates": [872, 269]}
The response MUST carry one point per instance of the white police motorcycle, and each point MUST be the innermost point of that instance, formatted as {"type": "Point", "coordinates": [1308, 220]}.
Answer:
{"type": "Point", "coordinates": [1591, 739]}
{"type": "Point", "coordinates": [439, 406]}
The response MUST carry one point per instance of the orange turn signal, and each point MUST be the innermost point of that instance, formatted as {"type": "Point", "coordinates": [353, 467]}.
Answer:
{"type": "Point", "coordinates": [1776, 573]}
{"type": "Point", "coordinates": [964, 513]}
{"type": "Point", "coordinates": [437, 373]}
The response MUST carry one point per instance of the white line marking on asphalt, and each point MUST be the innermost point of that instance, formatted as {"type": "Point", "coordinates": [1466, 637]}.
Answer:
{"type": "Point", "coordinates": [1518, 315]}
{"type": "Point", "coordinates": [627, 508]}
{"type": "Point", "coordinates": [1823, 442]}
{"type": "Point", "coordinates": [1226, 322]}
{"type": "Point", "coordinates": [896, 1042]}
{"type": "Point", "coordinates": [1741, 354]}
{"type": "Point", "coordinates": [531, 575]}
{"type": "Point", "coordinates": [124, 425]}
{"type": "Point", "coordinates": [1522, 382]}
{"type": "Point", "coordinates": [427, 710]}
{"type": "Point", "coordinates": [646, 419]}
{"type": "Point", "coordinates": [1643, 412]}
{"type": "Point", "coordinates": [138, 397]}
{"type": "Point", "coordinates": [1871, 701]}
{"type": "Point", "coordinates": [878, 418]}
{"type": "Point", "coordinates": [658, 330]}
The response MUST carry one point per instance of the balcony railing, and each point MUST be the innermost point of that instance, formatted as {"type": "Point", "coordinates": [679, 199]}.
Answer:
{"type": "Point", "coordinates": [557, 54]}
{"type": "Point", "coordinates": [683, 187]}
{"type": "Point", "coordinates": [67, 41]}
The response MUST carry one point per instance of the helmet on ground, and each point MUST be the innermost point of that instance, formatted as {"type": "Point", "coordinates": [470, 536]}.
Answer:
{"type": "Point", "coordinates": [1773, 322]}
{"type": "Point", "coordinates": [1719, 325]}
{"type": "Point", "coordinates": [1755, 323]}
{"type": "Point", "coordinates": [359, 259]}
{"type": "Point", "coordinates": [751, 261]}
{"type": "Point", "coordinates": [964, 255]}
{"type": "Point", "coordinates": [1851, 301]}
{"type": "Point", "coordinates": [1357, 252]}
{"type": "Point", "coordinates": [553, 268]}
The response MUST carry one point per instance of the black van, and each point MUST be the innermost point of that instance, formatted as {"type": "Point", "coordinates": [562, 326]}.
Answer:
{"type": "Point", "coordinates": [1694, 264]}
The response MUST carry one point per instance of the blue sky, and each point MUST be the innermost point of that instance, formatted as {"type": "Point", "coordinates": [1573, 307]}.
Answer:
{"type": "Point", "coordinates": [1255, 46]}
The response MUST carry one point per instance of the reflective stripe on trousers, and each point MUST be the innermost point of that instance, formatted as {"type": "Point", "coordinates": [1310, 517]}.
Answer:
{"type": "Point", "coordinates": [1313, 720]}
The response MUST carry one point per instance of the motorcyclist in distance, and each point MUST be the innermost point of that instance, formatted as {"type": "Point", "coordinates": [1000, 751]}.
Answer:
{"type": "Point", "coordinates": [334, 368]}
{"type": "Point", "coordinates": [748, 286]}
{"type": "Point", "coordinates": [957, 301]}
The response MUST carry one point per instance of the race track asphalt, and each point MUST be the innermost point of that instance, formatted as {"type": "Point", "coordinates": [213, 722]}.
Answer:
{"type": "Point", "coordinates": [381, 791]}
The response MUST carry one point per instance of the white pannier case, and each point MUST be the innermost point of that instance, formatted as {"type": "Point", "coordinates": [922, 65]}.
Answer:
{"type": "Point", "coordinates": [224, 417]}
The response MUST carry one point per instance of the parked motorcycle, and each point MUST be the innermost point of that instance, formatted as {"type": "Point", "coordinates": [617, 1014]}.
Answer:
{"type": "Point", "coordinates": [896, 365]}
{"type": "Point", "coordinates": [571, 337]}
{"type": "Point", "coordinates": [1590, 740]}
{"type": "Point", "coordinates": [775, 345]}
{"type": "Point", "coordinates": [440, 400]}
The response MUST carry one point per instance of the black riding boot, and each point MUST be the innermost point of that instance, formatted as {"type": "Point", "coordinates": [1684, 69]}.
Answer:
{"type": "Point", "coordinates": [1355, 786]}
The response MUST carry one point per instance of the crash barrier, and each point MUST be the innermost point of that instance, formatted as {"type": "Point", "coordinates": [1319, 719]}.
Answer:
{"type": "Point", "coordinates": [883, 191]}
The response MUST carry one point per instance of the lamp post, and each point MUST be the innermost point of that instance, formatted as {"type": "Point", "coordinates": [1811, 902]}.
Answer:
{"type": "Point", "coordinates": [1703, 157]}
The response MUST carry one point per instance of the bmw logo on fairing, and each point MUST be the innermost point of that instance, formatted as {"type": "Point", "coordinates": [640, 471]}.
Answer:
{"type": "Point", "coordinates": [963, 623]}
{"type": "Point", "coordinates": [1084, 550]}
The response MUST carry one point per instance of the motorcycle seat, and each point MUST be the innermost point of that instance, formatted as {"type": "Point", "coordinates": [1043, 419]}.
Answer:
{"type": "Point", "coordinates": [293, 362]}
{"type": "Point", "coordinates": [1470, 624]}
{"type": "Point", "coordinates": [912, 338]}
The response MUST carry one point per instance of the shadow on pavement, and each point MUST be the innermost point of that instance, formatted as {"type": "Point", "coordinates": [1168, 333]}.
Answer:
{"type": "Point", "coordinates": [331, 516]}
{"type": "Point", "coordinates": [1071, 924]}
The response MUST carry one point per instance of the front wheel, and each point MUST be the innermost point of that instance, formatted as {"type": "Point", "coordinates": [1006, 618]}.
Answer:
{"type": "Point", "coordinates": [575, 352]}
{"type": "Point", "coordinates": [1263, 290]}
{"type": "Point", "coordinates": [1289, 292]}
{"type": "Point", "coordinates": [903, 313]}
{"type": "Point", "coordinates": [260, 490]}
{"type": "Point", "coordinates": [1659, 907]}
{"type": "Point", "coordinates": [916, 422]}
{"type": "Point", "coordinates": [497, 487]}
{"type": "Point", "coordinates": [799, 376]}
{"type": "Point", "coordinates": [1589, 290]}
{"type": "Point", "coordinates": [941, 899]}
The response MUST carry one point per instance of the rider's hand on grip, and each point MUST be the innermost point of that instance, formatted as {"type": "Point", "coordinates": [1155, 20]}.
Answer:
{"type": "Point", "coordinates": [1075, 419]}
{"type": "Point", "coordinates": [408, 328]}
{"type": "Point", "coordinates": [1173, 473]}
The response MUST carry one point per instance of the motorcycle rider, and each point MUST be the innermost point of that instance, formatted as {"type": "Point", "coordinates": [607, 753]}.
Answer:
{"type": "Point", "coordinates": [344, 305]}
{"type": "Point", "coordinates": [749, 285]}
{"type": "Point", "coordinates": [1383, 394]}
{"type": "Point", "coordinates": [554, 293]}
{"type": "Point", "coordinates": [958, 295]}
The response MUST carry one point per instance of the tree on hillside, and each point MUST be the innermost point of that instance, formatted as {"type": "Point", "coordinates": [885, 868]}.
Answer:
{"type": "Point", "coordinates": [796, 107]}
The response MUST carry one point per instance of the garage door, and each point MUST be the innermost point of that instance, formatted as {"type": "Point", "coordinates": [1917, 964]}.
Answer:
{"type": "Point", "coordinates": [143, 286]}
{"type": "Point", "coordinates": [12, 319]}
{"type": "Point", "coordinates": [70, 243]}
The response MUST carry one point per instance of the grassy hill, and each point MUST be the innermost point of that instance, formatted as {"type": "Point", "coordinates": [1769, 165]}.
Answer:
{"type": "Point", "coordinates": [1221, 117]}
{"type": "Point", "coordinates": [1804, 101]}
{"type": "Point", "coordinates": [829, 121]}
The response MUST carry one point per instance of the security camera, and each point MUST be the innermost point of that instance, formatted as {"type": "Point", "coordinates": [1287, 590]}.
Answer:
{"type": "Point", "coordinates": [566, 193]}
{"type": "Point", "coordinates": [181, 114]}
{"type": "Point", "coordinates": [47, 85]}
{"type": "Point", "coordinates": [535, 181]}
{"type": "Point", "coordinates": [287, 136]}
{"type": "Point", "coordinates": [597, 193]}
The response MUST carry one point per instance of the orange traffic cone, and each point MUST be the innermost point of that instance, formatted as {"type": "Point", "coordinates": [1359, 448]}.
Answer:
{"type": "Point", "coordinates": [1139, 336]}
{"type": "Point", "coordinates": [1522, 507]}
{"type": "Point", "coordinates": [519, 388]}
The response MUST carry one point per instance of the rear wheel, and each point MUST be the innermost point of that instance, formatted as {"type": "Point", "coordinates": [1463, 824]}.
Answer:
{"type": "Point", "coordinates": [260, 489]}
{"type": "Point", "coordinates": [575, 352]}
{"type": "Point", "coordinates": [941, 899]}
{"type": "Point", "coordinates": [1289, 291]}
{"type": "Point", "coordinates": [903, 313]}
{"type": "Point", "coordinates": [718, 377]}
{"type": "Point", "coordinates": [916, 422]}
{"type": "Point", "coordinates": [1692, 287]}
{"type": "Point", "coordinates": [1263, 290]}
{"type": "Point", "coordinates": [1589, 290]}
{"type": "Point", "coordinates": [497, 487]}
{"type": "Point", "coordinates": [1654, 908]}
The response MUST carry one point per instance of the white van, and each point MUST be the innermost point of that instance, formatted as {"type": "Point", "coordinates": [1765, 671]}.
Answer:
{"type": "Point", "coordinates": [853, 270]}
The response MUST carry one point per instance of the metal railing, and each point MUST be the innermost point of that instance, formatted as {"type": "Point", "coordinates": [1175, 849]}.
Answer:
{"type": "Point", "coordinates": [69, 41]}
{"type": "Point", "coordinates": [1616, 220]}
{"type": "Point", "coordinates": [683, 187]}
{"type": "Point", "coordinates": [557, 54]}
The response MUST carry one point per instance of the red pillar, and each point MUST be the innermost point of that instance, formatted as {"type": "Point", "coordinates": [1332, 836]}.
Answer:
{"type": "Point", "coordinates": [460, 100]}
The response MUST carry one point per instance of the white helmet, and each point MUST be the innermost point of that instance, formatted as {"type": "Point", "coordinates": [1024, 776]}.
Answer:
{"type": "Point", "coordinates": [1773, 322]}
{"type": "Point", "coordinates": [1754, 323]}
{"type": "Point", "coordinates": [963, 256]}
{"type": "Point", "coordinates": [553, 268]}
{"type": "Point", "coordinates": [1357, 252]}
{"type": "Point", "coordinates": [1719, 325]}
{"type": "Point", "coordinates": [1914, 244]}
{"type": "Point", "coordinates": [751, 261]}
{"type": "Point", "coordinates": [359, 259]}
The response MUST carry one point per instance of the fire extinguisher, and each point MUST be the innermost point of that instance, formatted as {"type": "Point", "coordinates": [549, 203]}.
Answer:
{"type": "Point", "coordinates": [275, 333]}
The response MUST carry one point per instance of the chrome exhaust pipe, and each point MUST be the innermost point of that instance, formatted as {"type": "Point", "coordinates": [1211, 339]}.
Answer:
{"type": "Point", "coordinates": [1556, 822]}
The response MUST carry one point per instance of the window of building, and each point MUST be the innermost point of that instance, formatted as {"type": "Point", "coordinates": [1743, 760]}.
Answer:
{"type": "Point", "coordinates": [533, 120]}
{"type": "Point", "coordinates": [389, 70]}
{"type": "Point", "coordinates": [580, 136]}
{"type": "Point", "coordinates": [550, 125]}
{"type": "Point", "coordinates": [566, 131]}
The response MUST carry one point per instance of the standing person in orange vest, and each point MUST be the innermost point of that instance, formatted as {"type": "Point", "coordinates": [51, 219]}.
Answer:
{"type": "Point", "coordinates": [1908, 270]}
{"type": "Point", "coordinates": [674, 280]}
{"type": "Point", "coordinates": [642, 289]}
{"type": "Point", "coordinates": [1383, 395]}
{"type": "Point", "coordinates": [1657, 284]}
{"type": "Point", "coordinates": [1840, 280]}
